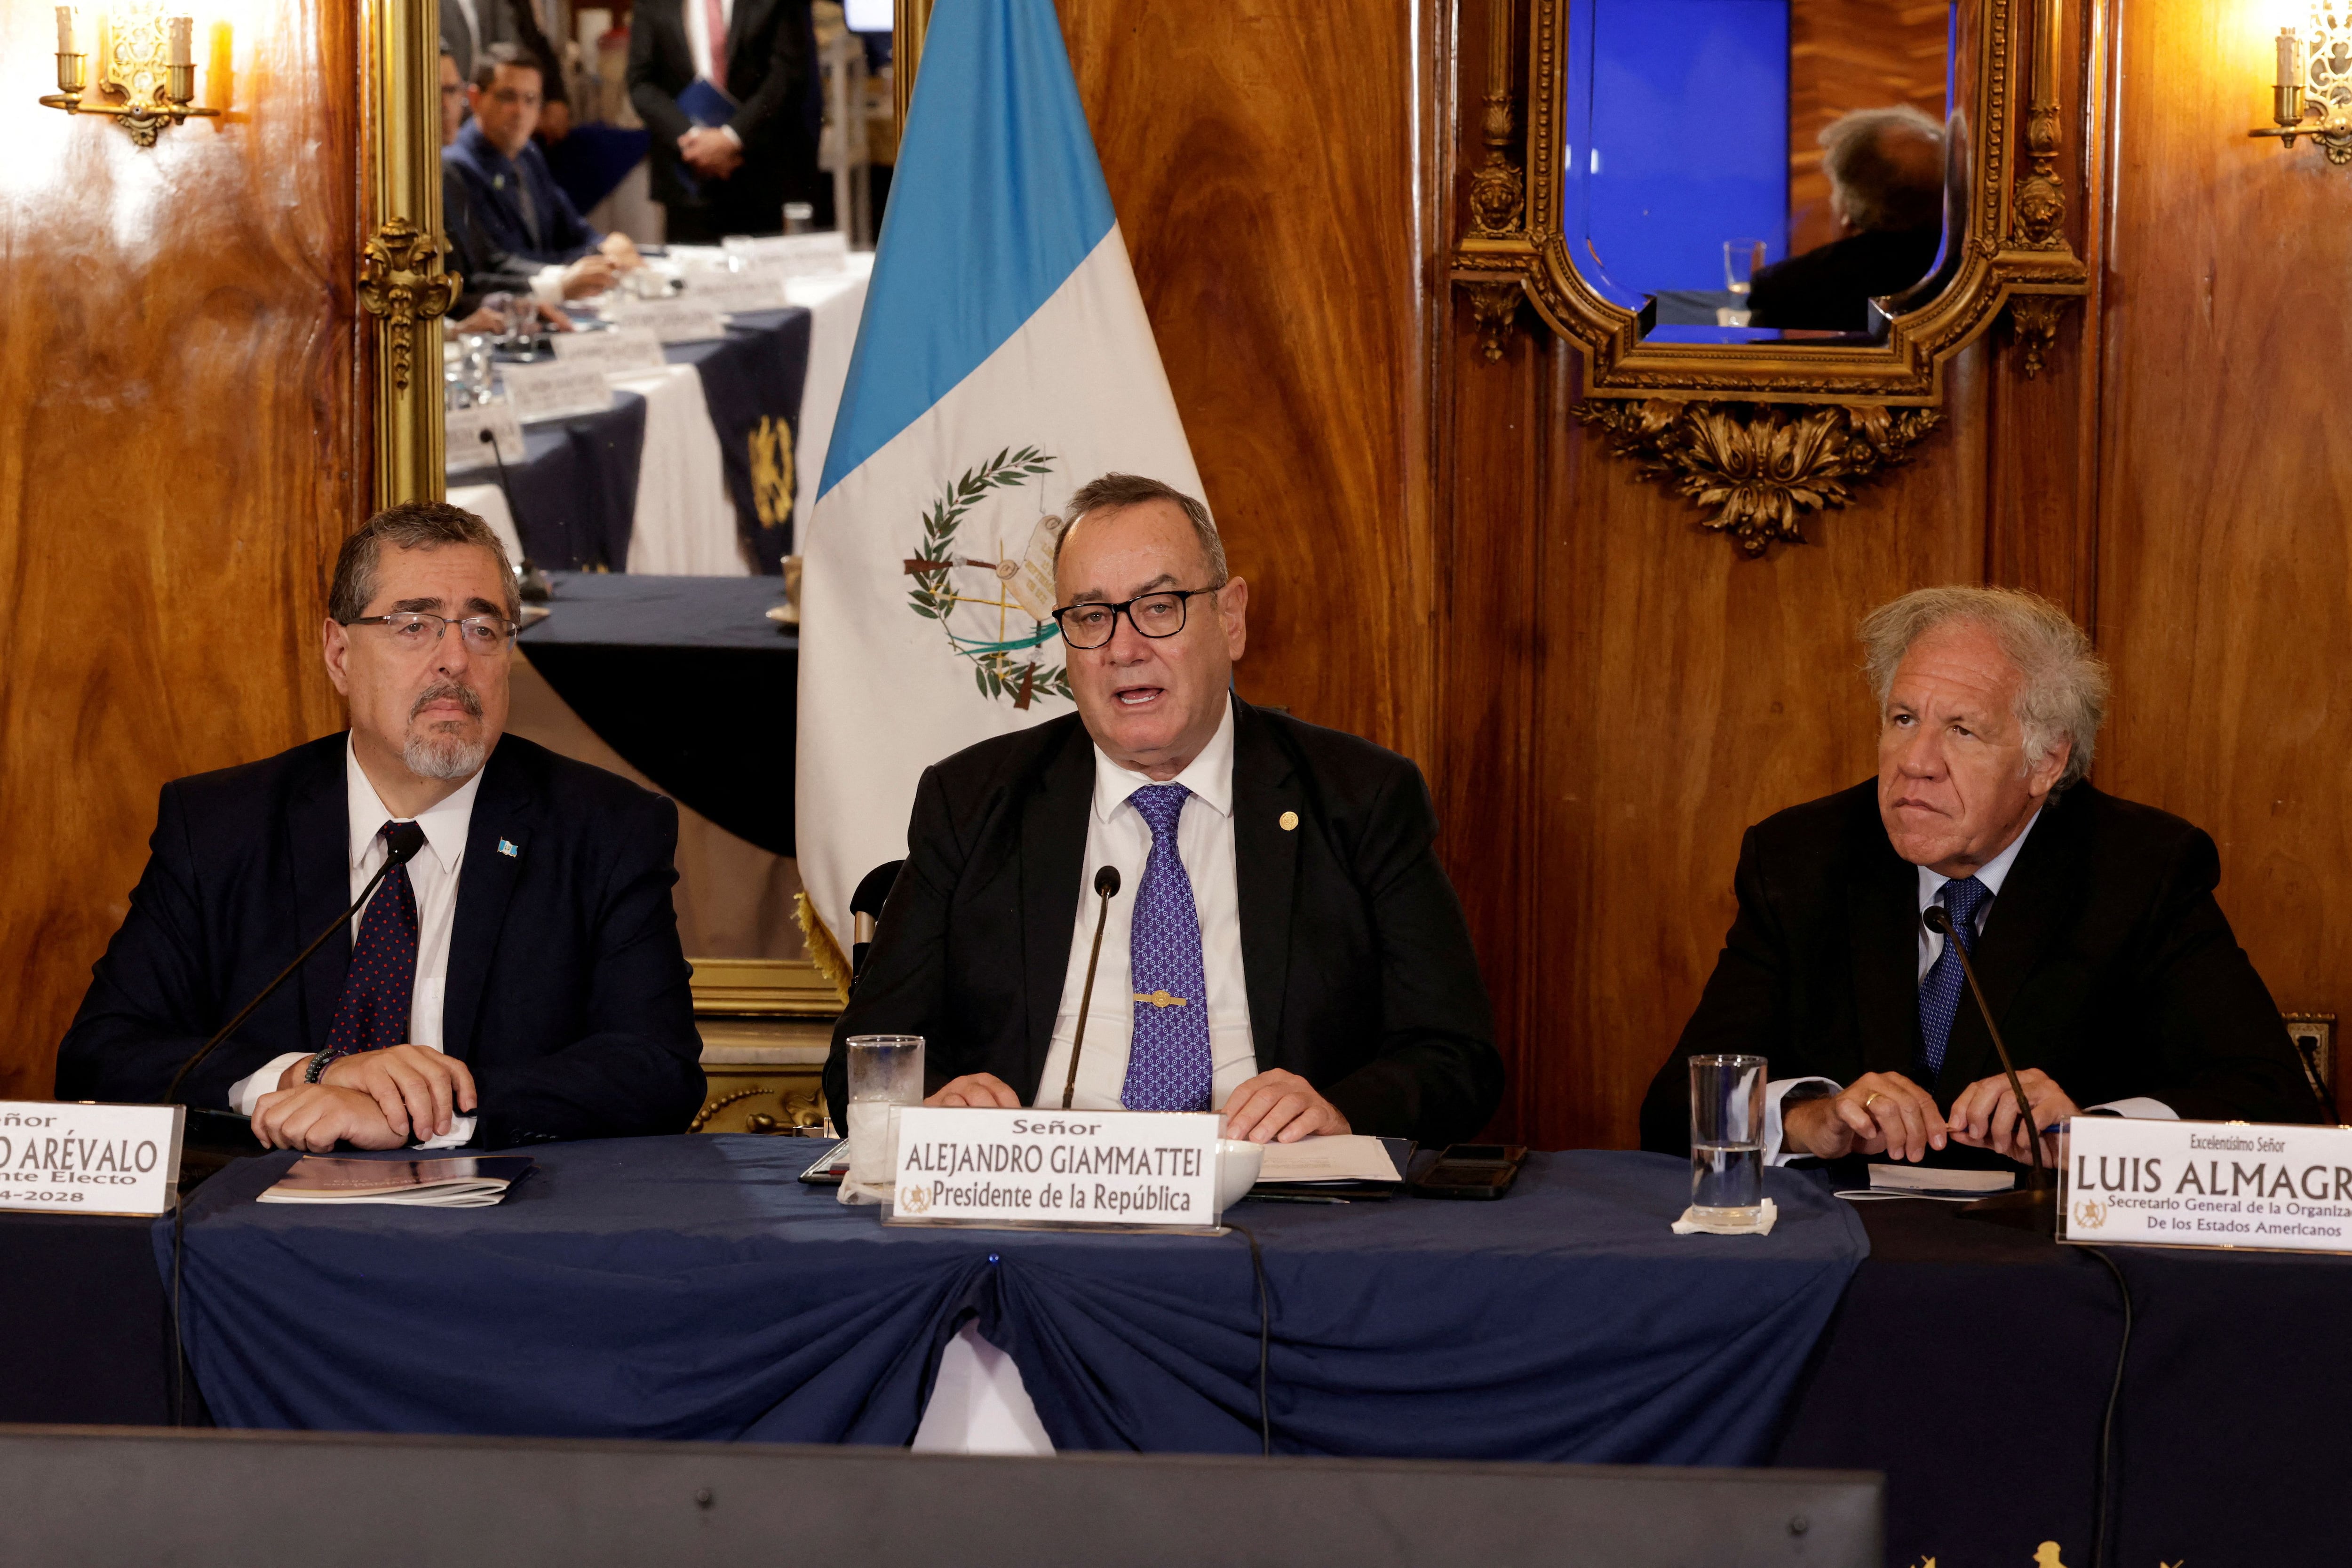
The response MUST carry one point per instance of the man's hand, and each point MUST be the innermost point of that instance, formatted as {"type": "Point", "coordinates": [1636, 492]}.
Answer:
{"type": "Point", "coordinates": [314, 1117]}
{"type": "Point", "coordinates": [415, 1091]}
{"type": "Point", "coordinates": [711, 154]}
{"type": "Point", "coordinates": [590, 275]}
{"type": "Point", "coordinates": [979, 1090]}
{"type": "Point", "coordinates": [621, 252]}
{"type": "Point", "coordinates": [1282, 1106]}
{"type": "Point", "coordinates": [1879, 1113]}
{"type": "Point", "coordinates": [1985, 1114]}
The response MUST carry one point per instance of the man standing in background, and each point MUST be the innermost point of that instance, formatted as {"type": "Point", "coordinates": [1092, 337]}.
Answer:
{"type": "Point", "coordinates": [725, 161]}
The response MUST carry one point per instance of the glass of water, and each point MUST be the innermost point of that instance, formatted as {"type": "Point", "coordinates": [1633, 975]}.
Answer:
{"type": "Point", "coordinates": [1742, 259]}
{"type": "Point", "coordinates": [1727, 1138]}
{"type": "Point", "coordinates": [885, 1070]}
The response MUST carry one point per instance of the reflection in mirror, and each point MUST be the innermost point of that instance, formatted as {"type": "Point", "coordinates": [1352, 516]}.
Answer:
{"type": "Point", "coordinates": [1761, 171]}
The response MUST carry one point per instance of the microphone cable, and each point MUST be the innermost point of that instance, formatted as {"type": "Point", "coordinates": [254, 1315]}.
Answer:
{"type": "Point", "coordinates": [1264, 1340]}
{"type": "Point", "coordinates": [2104, 1476]}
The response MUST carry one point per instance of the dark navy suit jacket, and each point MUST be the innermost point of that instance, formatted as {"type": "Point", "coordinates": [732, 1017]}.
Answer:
{"type": "Point", "coordinates": [566, 990]}
{"type": "Point", "coordinates": [491, 179]}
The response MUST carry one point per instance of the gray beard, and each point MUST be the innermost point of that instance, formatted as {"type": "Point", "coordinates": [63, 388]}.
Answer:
{"type": "Point", "coordinates": [442, 756]}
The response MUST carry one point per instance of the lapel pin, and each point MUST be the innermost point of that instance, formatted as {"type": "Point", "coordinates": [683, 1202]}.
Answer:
{"type": "Point", "coordinates": [1289, 821]}
{"type": "Point", "coordinates": [507, 847]}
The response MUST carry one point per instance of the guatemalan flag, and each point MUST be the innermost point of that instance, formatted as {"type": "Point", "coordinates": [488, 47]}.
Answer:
{"type": "Point", "coordinates": [1003, 361]}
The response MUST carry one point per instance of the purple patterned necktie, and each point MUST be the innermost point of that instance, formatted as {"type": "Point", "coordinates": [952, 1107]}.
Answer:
{"type": "Point", "coordinates": [374, 1013]}
{"type": "Point", "coordinates": [1169, 1066]}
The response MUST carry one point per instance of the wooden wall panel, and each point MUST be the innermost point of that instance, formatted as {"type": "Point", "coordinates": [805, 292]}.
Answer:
{"type": "Point", "coordinates": [2225, 485]}
{"type": "Point", "coordinates": [1263, 158]}
{"type": "Point", "coordinates": [177, 468]}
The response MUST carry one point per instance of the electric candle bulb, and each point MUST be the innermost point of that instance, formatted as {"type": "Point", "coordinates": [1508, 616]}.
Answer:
{"type": "Point", "coordinates": [2290, 59]}
{"type": "Point", "coordinates": [182, 29]}
{"type": "Point", "coordinates": [69, 31]}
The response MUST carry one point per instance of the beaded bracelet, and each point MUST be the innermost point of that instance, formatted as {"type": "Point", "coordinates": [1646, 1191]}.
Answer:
{"type": "Point", "coordinates": [318, 1064]}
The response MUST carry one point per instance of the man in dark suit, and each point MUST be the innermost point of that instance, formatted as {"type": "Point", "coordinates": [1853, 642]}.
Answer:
{"type": "Point", "coordinates": [482, 267]}
{"type": "Point", "coordinates": [1284, 948]}
{"type": "Point", "coordinates": [735, 176]}
{"type": "Point", "coordinates": [2090, 920]}
{"type": "Point", "coordinates": [518, 979]}
{"type": "Point", "coordinates": [1885, 168]}
{"type": "Point", "coordinates": [514, 199]}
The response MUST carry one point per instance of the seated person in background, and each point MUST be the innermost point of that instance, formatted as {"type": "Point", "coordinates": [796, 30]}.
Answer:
{"type": "Point", "coordinates": [518, 980]}
{"type": "Point", "coordinates": [2090, 920]}
{"type": "Point", "coordinates": [1284, 948]}
{"type": "Point", "coordinates": [516, 202]}
{"type": "Point", "coordinates": [483, 269]}
{"type": "Point", "coordinates": [1885, 168]}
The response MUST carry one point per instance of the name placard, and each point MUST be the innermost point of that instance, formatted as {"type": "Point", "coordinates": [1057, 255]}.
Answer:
{"type": "Point", "coordinates": [964, 1167]}
{"type": "Point", "coordinates": [463, 429]}
{"type": "Point", "coordinates": [552, 391]}
{"type": "Point", "coordinates": [88, 1159]}
{"type": "Point", "coordinates": [624, 351]}
{"type": "Point", "coordinates": [672, 321]}
{"type": "Point", "coordinates": [762, 288]}
{"type": "Point", "coordinates": [797, 255]}
{"type": "Point", "coordinates": [2208, 1184]}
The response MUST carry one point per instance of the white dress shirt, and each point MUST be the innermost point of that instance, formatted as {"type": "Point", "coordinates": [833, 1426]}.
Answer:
{"type": "Point", "coordinates": [1118, 835]}
{"type": "Point", "coordinates": [432, 877]}
{"type": "Point", "coordinates": [697, 44]}
{"type": "Point", "coordinates": [1993, 874]}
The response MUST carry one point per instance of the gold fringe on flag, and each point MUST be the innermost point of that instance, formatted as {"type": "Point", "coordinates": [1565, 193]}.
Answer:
{"type": "Point", "coordinates": [824, 951]}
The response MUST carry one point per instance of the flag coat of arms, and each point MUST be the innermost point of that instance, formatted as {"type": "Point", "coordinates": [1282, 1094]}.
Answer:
{"type": "Point", "coordinates": [1003, 361]}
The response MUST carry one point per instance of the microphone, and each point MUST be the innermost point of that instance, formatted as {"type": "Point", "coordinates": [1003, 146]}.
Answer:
{"type": "Point", "coordinates": [2041, 1191]}
{"type": "Point", "coordinates": [1106, 889]}
{"type": "Point", "coordinates": [406, 838]}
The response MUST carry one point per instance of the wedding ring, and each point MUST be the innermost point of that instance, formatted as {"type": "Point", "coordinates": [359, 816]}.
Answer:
{"type": "Point", "coordinates": [1878, 1094]}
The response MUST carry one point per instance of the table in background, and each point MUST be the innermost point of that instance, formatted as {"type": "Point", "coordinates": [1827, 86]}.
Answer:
{"type": "Point", "coordinates": [687, 680]}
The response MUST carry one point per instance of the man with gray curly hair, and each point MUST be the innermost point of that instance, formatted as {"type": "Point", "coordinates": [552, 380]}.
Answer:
{"type": "Point", "coordinates": [1885, 169]}
{"type": "Point", "coordinates": [2090, 920]}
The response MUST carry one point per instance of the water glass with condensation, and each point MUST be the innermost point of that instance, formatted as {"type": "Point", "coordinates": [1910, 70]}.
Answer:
{"type": "Point", "coordinates": [1742, 260]}
{"type": "Point", "coordinates": [885, 1070]}
{"type": "Point", "coordinates": [1727, 1138]}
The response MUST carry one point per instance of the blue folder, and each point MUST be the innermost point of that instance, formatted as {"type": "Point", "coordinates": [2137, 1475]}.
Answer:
{"type": "Point", "coordinates": [708, 107]}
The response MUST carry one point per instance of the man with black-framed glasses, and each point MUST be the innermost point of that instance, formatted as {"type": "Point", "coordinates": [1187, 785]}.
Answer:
{"type": "Point", "coordinates": [1283, 947]}
{"type": "Point", "coordinates": [517, 978]}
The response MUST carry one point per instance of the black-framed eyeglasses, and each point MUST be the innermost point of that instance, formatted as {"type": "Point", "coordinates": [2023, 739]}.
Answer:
{"type": "Point", "coordinates": [414, 631]}
{"type": "Point", "coordinates": [1092, 625]}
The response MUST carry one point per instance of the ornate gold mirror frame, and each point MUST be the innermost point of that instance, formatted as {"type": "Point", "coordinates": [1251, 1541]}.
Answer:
{"type": "Point", "coordinates": [1769, 432]}
{"type": "Point", "coordinates": [402, 283]}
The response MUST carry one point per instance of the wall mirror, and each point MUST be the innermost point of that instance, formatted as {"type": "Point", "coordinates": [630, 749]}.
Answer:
{"type": "Point", "coordinates": [1679, 216]}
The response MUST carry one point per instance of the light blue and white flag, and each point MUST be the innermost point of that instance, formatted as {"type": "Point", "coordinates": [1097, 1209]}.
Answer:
{"type": "Point", "coordinates": [1003, 361]}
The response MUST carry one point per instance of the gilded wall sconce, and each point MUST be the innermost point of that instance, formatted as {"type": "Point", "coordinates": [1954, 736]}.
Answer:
{"type": "Point", "coordinates": [151, 72]}
{"type": "Point", "coordinates": [2311, 95]}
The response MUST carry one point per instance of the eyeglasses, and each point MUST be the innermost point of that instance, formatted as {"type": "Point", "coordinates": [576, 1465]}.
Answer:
{"type": "Point", "coordinates": [1091, 625]}
{"type": "Point", "coordinates": [414, 631]}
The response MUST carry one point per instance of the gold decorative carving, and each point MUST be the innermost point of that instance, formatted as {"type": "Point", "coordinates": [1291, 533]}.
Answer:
{"type": "Point", "coordinates": [1496, 305]}
{"type": "Point", "coordinates": [1498, 189]}
{"type": "Point", "coordinates": [2041, 205]}
{"type": "Point", "coordinates": [1762, 467]}
{"type": "Point", "coordinates": [401, 281]}
{"type": "Point", "coordinates": [2034, 317]}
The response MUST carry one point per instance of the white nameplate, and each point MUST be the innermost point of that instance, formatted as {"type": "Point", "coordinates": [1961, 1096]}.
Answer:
{"type": "Point", "coordinates": [552, 391]}
{"type": "Point", "coordinates": [1056, 1167]}
{"type": "Point", "coordinates": [799, 255]}
{"type": "Point", "coordinates": [2208, 1184]}
{"type": "Point", "coordinates": [462, 432]}
{"type": "Point", "coordinates": [72, 1158]}
{"type": "Point", "coordinates": [672, 321]}
{"type": "Point", "coordinates": [624, 351]}
{"type": "Point", "coordinates": [761, 288]}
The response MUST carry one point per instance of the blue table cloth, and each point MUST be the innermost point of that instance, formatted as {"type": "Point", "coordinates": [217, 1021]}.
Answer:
{"type": "Point", "coordinates": [690, 1287]}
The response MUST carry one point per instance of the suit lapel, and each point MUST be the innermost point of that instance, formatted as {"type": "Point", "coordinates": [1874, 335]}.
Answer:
{"type": "Point", "coordinates": [319, 853]}
{"type": "Point", "coordinates": [2033, 899]}
{"type": "Point", "coordinates": [1052, 855]}
{"type": "Point", "coordinates": [1882, 915]}
{"type": "Point", "coordinates": [1267, 793]}
{"type": "Point", "coordinates": [497, 842]}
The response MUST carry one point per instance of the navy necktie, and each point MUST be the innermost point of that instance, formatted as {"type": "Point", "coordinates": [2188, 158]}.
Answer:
{"type": "Point", "coordinates": [1940, 994]}
{"type": "Point", "coordinates": [373, 1011]}
{"type": "Point", "coordinates": [1169, 1064]}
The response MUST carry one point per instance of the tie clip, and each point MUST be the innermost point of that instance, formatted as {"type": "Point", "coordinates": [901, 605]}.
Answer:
{"type": "Point", "coordinates": [1160, 998]}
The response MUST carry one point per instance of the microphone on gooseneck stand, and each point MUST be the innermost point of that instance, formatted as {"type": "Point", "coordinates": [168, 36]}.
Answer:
{"type": "Point", "coordinates": [2036, 1205]}
{"type": "Point", "coordinates": [405, 839]}
{"type": "Point", "coordinates": [1106, 889]}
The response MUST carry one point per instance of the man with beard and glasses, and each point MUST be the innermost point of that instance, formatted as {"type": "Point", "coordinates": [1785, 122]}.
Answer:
{"type": "Point", "coordinates": [518, 979]}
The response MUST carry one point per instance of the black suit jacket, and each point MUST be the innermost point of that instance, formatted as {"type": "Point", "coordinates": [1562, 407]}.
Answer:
{"type": "Point", "coordinates": [771, 61]}
{"type": "Point", "coordinates": [2105, 958]}
{"type": "Point", "coordinates": [1360, 974]}
{"type": "Point", "coordinates": [1830, 289]}
{"type": "Point", "coordinates": [566, 991]}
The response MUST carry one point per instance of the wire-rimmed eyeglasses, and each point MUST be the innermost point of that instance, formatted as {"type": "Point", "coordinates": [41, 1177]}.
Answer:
{"type": "Point", "coordinates": [414, 631]}
{"type": "Point", "coordinates": [1091, 625]}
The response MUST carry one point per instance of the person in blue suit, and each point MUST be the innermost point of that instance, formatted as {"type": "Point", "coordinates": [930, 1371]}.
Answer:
{"type": "Point", "coordinates": [514, 198]}
{"type": "Point", "coordinates": [518, 979]}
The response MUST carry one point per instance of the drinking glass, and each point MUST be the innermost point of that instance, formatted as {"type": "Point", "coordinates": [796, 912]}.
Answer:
{"type": "Point", "coordinates": [1742, 259]}
{"type": "Point", "coordinates": [885, 1070]}
{"type": "Point", "coordinates": [1727, 1138]}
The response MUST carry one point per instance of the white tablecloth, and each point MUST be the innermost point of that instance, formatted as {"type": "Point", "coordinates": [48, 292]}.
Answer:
{"type": "Point", "coordinates": [489, 503]}
{"type": "Point", "coordinates": [685, 522]}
